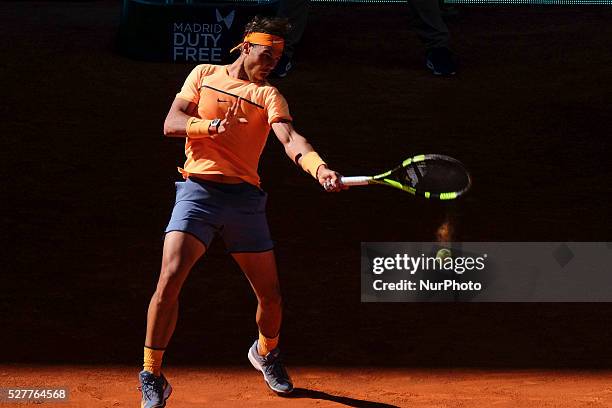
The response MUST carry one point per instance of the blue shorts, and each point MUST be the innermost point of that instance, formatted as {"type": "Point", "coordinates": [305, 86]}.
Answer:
{"type": "Point", "coordinates": [236, 212]}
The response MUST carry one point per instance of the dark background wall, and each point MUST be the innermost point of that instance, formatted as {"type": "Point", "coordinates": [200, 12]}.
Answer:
{"type": "Point", "coordinates": [88, 187]}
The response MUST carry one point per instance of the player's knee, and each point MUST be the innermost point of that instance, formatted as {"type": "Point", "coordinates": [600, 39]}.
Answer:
{"type": "Point", "coordinates": [173, 269]}
{"type": "Point", "coordinates": [168, 286]}
{"type": "Point", "coordinates": [273, 301]}
{"type": "Point", "coordinates": [165, 295]}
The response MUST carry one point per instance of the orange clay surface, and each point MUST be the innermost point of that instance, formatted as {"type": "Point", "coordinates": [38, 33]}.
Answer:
{"type": "Point", "coordinates": [97, 386]}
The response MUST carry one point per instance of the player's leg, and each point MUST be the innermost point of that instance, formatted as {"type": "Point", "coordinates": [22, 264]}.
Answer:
{"type": "Point", "coordinates": [260, 270]}
{"type": "Point", "coordinates": [247, 238]}
{"type": "Point", "coordinates": [264, 354]}
{"type": "Point", "coordinates": [189, 231]}
{"type": "Point", "coordinates": [181, 251]}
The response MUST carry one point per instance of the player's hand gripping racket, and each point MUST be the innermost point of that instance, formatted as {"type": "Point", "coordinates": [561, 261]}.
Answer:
{"type": "Point", "coordinates": [433, 176]}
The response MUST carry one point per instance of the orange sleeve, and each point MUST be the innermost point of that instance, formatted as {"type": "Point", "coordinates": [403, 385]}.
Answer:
{"type": "Point", "coordinates": [277, 108]}
{"type": "Point", "coordinates": [191, 88]}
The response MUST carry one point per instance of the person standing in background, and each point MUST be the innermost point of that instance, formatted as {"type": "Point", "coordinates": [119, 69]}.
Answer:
{"type": "Point", "coordinates": [428, 25]}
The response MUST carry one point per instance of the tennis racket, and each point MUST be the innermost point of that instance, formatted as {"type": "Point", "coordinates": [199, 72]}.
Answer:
{"type": "Point", "coordinates": [432, 176]}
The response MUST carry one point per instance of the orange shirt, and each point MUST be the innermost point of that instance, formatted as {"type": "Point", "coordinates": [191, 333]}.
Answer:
{"type": "Point", "coordinates": [235, 152]}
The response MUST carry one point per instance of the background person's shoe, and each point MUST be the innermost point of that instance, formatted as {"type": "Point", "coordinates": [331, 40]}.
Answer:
{"type": "Point", "coordinates": [155, 390]}
{"type": "Point", "coordinates": [283, 67]}
{"type": "Point", "coordinates": [440, 61]}
{"type": "Point", "coordinates": [272, 368]}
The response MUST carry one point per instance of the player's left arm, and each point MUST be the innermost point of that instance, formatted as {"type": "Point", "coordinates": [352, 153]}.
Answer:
{"type": "Point", "coordinates": [297, 148]}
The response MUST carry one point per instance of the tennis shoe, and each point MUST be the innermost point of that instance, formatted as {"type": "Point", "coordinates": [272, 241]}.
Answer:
{"type": "Point", "coordinates": [155, 390]}
{"type": "Point", "coordinates": [272, 368]}
{"type": "Point", "coordinates": [440, 62]}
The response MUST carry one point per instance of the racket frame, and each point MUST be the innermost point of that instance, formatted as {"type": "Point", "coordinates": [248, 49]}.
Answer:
{"type": "Point", "coordinates": [382, 179]}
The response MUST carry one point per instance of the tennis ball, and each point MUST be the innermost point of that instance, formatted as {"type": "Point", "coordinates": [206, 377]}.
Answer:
{"type": "Point", "coordinates": [444, 253]}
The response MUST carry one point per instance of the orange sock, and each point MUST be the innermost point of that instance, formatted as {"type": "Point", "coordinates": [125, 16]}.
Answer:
{"type": "Point", "coordinates": [153, 360]}
{"type": "Point", "coordinates": [266, 344]}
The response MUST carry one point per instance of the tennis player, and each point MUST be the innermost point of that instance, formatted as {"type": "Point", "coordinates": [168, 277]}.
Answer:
{"type": "Point", "coordinates": [225, 113]}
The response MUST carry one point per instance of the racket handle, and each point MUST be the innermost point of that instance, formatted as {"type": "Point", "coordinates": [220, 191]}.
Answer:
{"type": "Point", "coordinates": [355, 181]}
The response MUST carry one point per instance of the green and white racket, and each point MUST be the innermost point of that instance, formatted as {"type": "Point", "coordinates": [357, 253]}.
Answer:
{"type": "Point", "coordinates": [432, 176]}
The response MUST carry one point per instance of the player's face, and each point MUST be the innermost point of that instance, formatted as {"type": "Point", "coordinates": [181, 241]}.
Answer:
{"type": "Point", "coordinates": [261, 60]}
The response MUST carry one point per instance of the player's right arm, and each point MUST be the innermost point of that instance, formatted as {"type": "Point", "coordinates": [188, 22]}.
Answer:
{"type": "Point", "coordinates": [183, 119]}
{"type": "Point", "coordinates": [180, 112]}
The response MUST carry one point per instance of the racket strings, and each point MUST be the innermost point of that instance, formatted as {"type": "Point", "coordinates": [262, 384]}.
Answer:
{"type": "Point", "coordinates": [435, 176]}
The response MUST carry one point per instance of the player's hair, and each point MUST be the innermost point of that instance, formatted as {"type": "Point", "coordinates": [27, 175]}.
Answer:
{"type": "Point", "coordinates": [278, 26]}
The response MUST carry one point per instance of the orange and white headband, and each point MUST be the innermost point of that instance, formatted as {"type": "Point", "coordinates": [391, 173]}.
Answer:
{"type": "Point", "coordinates": [277, 43]}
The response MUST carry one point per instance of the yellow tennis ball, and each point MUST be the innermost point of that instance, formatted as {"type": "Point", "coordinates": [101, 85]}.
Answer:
{"type": "Point", "coordinates": [444, 253]}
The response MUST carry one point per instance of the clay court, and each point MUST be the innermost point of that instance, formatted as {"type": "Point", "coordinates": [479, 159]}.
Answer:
{"type": "Point", "coordinates": [369, 387]}
{"type": "Point", "coordinates": [88, 189]}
